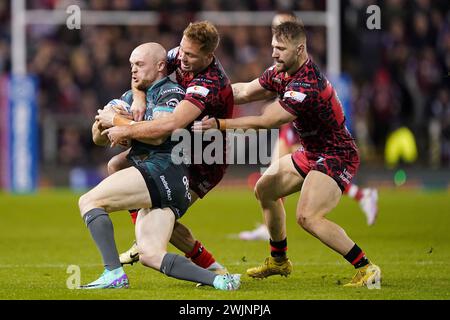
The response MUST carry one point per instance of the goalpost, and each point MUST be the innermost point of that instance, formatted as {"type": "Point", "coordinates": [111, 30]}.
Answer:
{"type": "Point", "coordinates": [21, 17]}
{"type": "Point", "coordinates": [21, 167]}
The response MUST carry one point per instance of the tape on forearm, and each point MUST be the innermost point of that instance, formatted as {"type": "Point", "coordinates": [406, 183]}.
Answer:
{"type": "Point", "coordinates": [120, 121]}
{"type": "Point", "coordinates": [222, 124]}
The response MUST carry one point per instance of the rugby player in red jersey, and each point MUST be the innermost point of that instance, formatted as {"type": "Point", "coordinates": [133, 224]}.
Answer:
{"type": "Point", "coordinates": [321, 169]}
{"type": "Point", "coordinates": [289, 142]}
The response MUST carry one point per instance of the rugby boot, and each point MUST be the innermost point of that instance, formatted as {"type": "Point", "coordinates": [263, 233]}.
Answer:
{"type": "Point", "coordinates": [130, 256]}
{"type": "Point", "coordinates": [368, 276]}
{"type": "Point", "coordinates": [110, 279]}
{"type": "Point", "coordinates": [271, 266]}
{"type": "Point", "coordinates": [227, 282]}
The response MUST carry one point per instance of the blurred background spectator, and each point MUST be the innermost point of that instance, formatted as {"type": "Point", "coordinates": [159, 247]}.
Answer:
{"type": "Point", "coordinates": [400, 74]}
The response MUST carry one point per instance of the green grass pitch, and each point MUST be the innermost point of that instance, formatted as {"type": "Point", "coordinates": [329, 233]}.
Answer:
{"type": "Point", "coordinates": [42, 234]}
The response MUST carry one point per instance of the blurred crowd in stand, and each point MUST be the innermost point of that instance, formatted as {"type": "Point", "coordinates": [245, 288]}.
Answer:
{"type": "Point", "coordinates": [400, 73]}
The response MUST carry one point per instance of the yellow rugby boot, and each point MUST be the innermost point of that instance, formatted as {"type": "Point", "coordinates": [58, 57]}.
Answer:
{"type": "Point", "coordinates": [271, 267]}
{"type": "Point", "coordinates": [369, 276]}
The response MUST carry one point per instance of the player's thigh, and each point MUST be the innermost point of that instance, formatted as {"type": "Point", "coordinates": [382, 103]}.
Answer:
{"type": "Point", "coordinates": [118, 162]}
{"type": "Point", "coordinates": [279, 180]}
{"type": "Point", "coordinates": [320, 194]}
{"type": "Point", "coordinates": [280, 149]}
{"type": "Point", "coordinates": [125, 189]}
{"type": "Point", "coordinates": [179, 229]}
{"type": "Point", "coordinates": [154, 229]}
{"type": "Point", "coordinates": [182, 236]}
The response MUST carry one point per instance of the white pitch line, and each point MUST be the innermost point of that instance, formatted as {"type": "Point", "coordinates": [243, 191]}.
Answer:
{"type": "Point", "coordinates": [46, 265]}
{"type": "Point", "coordinates": [299, 264]}
{"type": "Point", "coordinates": [343, 263]}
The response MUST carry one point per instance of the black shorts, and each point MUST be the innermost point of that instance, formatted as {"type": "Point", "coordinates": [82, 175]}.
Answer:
{"type": "Point", "coordinates": [167, 183]}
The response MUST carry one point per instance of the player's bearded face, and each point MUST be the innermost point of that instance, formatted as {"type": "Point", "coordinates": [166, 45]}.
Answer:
{"type": "Point", "coordinates": [284, 55]}
{"type": "Point", "coordinates": [191, 57]}
{"type": "Point", "coordinates": [143, 85]}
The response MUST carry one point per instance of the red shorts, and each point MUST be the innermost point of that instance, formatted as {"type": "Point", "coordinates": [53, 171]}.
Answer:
{"type": "Point", "coordinates": [203, 178]}
{"type": "Point", "coordinates": [342, 168]}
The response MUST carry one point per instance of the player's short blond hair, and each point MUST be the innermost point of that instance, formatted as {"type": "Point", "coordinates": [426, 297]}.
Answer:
{"type": "Point", "coordinates": [291, 31]}
{"type": "Point", "coordinates": [205, 33]}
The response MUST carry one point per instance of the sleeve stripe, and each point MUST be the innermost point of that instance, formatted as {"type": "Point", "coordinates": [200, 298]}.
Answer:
{"type": "Point", "coordinates": [165, 109]}
{"type": "Point", "coordinates": [287, 108]}
{"type": "Point", "coordinates": [195, 102]}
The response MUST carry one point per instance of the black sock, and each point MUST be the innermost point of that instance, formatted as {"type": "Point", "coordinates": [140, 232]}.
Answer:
{"type": "Point", "coordinates": [278, 248]}
{"type": "Point", "coordinates": [357, 257]}
{"type": "Point", "coordinates": [102, 231]}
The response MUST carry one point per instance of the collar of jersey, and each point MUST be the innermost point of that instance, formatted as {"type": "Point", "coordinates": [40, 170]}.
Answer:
{"type": "Point", "coordinates": [157, 84]}
{"type": "Point", "coordinates": [301, 67]}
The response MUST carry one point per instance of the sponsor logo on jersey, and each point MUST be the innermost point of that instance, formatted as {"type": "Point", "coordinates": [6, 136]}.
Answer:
{"type": "Point", "coordinates": [172, 90]}
{"type": "Point", "coordinates": [305, 85]}
{"type": "Point", "coordinates": [198, 90]}
{"type": "Point", "coordinates": [204, 80]}
{"type": "Point", "coordinates": [172, 103]}
{"type": "Point", "coordinates": [308, 134]}
{"type": "Point", "coordinates": [298, 96]}
{"type": "Point", "coordinates": [276, 80]}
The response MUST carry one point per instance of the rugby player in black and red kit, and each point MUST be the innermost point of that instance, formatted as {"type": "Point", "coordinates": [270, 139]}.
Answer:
{"type": "Point", "coordinates": [321, 169]}
{"type": "Point", "coordinates": [289, 142]}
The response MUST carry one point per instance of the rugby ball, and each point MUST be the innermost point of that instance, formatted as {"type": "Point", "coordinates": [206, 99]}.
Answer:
{"type": "Point", "coordinates": [118, 104]}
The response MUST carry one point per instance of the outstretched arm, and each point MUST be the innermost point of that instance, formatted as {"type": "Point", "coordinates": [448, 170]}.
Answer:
{"type": "Point", "coordinates": [245, 92]}
{"type": "Point", "coordinates": [273, 117]}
